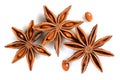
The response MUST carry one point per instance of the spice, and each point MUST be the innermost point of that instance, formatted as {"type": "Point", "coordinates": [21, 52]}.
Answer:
{"type": "Point", "coordinates": [88, 16]}
{"type": "Point", "coordinates": [88, 48]}
{"type": "Point", "coordinates": [57, 27]}
{"type": "Point", "coordinates": [26, 46]}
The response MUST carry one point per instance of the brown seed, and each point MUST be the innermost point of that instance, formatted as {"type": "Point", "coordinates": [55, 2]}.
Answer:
{"type": "Point", "coordinates": [51, 35]}
{"type": "Point", "coordinates": [67, 34]}
{"type": "Point", "coordinates": [69, 24]}
{"type": "Point", "coordinates": [88, 16]}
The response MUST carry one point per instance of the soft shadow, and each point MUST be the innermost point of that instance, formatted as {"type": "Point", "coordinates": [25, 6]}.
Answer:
{"type": "Point", "coordinates": [41, 18]}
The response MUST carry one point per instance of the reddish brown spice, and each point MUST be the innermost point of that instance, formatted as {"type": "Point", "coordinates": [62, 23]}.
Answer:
{"type": "Point", "coordinates": [87, 47]}
{"type": "Point", "coordinates": [57, 27]}
{"type": "Point", "coordinates": [88, 16]}
{"type": "Point", "coordinates": [26, 45]}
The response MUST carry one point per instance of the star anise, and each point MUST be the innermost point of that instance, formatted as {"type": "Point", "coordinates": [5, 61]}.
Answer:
{"type": "Point", "coordinates": [88, 48]}
{"type": "Point", "coordinates": [57, 27]}
{"type": "Point", "coordinates": [26, 46]}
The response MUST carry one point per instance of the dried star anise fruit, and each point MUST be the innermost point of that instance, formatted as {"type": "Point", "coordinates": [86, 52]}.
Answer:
{"type": "Point", "coordinates": [88, 48]}
{"type": "Point", "coordinates": [57, 27]}
{"type": "Point", "coordinates": [26, 46]}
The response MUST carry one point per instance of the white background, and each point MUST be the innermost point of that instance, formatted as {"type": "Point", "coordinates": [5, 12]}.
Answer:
{"type": "Point", "coordinates": [18, 13]}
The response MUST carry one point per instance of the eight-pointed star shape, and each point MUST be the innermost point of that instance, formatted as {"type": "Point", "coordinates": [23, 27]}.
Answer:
{"type": "Point", "coordinates": [57, 27]}
{"type": "Point", "coordinates": [26, 46]}
{"type": "Point", "coordinates": [88, 48]}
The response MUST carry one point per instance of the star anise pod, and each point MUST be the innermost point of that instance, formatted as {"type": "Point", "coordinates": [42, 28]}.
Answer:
{"type": "Point", "coordinates": [88, 48]}
{"type": "Point", "coordinates": [57, 27]}
{"type": "Point", "coordinates": [26, 46]}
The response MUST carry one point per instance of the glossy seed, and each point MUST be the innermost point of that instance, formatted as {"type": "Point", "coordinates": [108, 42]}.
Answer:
{"type": "Point", "coordinates": [51, 35]}
{"type": "Point", "coordinates": [46, 27]}
{"type": "Point", "coordinates": [88, 16]}
{"type": "Point", "coordinates": [40, 50]}
{"type": "Point", "coordinates": [65, 65]}
{"type": "Point", "coordinates": [67, 34]}
{"type": "Point", "coordinates": [69, 24]}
